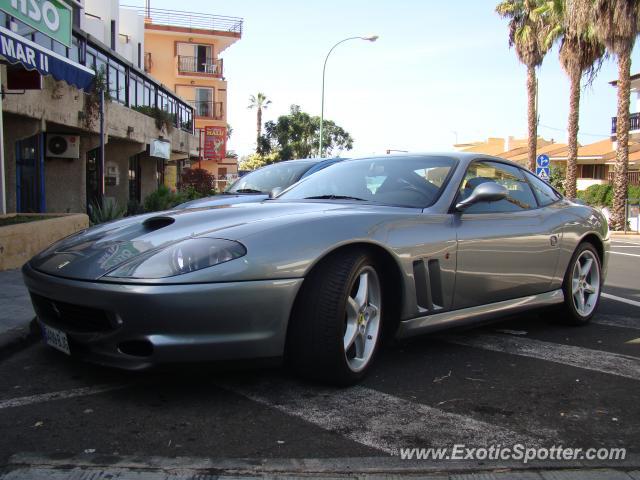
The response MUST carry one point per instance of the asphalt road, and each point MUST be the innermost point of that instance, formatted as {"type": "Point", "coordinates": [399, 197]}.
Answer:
{"type": "Point", "coordinates": [526, 380]}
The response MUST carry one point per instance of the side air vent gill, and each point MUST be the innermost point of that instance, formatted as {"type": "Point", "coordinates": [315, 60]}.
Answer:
{"type": "Point", "coordinates": [428, 283]}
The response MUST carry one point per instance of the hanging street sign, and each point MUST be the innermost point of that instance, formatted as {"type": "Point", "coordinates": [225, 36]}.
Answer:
{"type": "Point", "coordinates": [54, 18]}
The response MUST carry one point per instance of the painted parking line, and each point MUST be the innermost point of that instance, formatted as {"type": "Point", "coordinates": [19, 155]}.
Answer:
{"type": "Point", "coordinates": [620, 299]}
{"type": "Point", "coordinates": [585, 358]}
{"type": "Point", "coordinates": [625, 253]}
{"type": "Point", "coordinates": [620, 321]}
{"type": "Point", "coordinates": [61, 395]}
{"type": "Point", "coordinates": [379, 420]}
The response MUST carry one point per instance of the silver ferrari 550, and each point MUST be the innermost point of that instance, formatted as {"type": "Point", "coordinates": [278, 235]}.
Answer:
{"type": "Point", "coordinates": [402, 245]}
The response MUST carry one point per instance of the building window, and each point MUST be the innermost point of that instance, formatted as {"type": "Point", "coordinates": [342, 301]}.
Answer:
{"type": "Point", "coordinates": [594, 172]}
{"type": "Point", "coordinates": [203, 103]}
{"type": "Point", "coordinates": [113, 34]}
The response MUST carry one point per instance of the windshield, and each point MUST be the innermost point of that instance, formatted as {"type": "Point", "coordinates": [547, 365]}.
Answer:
{"type": "Point", "coordinates": [267, 178]}
{"type": "Point", "coordinates": [400, 181]}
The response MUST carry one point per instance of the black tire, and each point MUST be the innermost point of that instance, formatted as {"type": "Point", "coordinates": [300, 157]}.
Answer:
{"type": "Point", "coordinates": [315, 347]}
{"type": "Point", "coordinates": [570, 315]}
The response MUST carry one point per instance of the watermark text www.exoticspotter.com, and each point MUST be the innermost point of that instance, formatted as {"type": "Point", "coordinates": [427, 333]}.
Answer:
{"type": "Point", "coordinates": [518, 453]}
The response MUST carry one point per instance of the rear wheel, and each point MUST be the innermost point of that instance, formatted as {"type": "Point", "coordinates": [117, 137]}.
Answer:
{"type": "Point", "coordinates": [582, 285]}
{"type": "Point", "coordinates": [337, 321]}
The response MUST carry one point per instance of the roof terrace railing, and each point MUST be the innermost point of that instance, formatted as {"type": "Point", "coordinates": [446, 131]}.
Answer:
{"type": "Point", "coordinates": [192, 20]}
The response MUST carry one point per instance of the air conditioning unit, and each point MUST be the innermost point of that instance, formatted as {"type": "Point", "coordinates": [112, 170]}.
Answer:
{"type": "Point", "coordinates": [63, 146]}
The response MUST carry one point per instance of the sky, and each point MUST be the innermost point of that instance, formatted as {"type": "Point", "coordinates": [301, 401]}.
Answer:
{"type": "Point", "coordinates": [440, 73]}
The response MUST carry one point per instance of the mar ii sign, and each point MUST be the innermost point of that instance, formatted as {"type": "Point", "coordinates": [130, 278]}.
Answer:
{"type": "Point", "coordinates": [52, 17]}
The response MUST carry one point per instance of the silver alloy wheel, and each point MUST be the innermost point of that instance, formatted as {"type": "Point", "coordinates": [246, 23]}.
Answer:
{"type": "Point", "coordinates": [585, 283]}
{"type": "Point", "coordinates": [362, 319]}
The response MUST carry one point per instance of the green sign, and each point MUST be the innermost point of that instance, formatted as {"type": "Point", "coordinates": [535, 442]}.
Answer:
{"type": "Point", "coordinates": [54, 18]}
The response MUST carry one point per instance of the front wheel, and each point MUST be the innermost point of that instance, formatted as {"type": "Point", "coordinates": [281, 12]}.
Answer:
{"type": "Point", "coordinates": [337, 320]}
{"type": "Point", "coordinates": [582, 285]}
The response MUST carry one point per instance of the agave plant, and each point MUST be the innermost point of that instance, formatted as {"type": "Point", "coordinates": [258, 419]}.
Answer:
{"type": "Point", "coordinates": [108, 211]}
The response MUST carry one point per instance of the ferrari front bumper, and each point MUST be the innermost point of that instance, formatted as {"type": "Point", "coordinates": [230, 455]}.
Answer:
{"type": "Point", "coordinates": [138, 326]}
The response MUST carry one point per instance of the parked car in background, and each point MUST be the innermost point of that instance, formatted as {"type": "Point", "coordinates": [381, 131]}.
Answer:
{"type": "Point", "coordinates": [264, 183]}
{"type": "Point", "coordinates": [406, 245]}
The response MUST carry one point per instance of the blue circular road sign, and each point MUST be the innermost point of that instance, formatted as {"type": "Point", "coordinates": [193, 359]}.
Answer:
{"type": "Point", "coordinates": [542, 161]}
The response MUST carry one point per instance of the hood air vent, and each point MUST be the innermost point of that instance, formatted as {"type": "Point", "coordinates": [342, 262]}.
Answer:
{"type": "Point", "coordinates": [156, 223]}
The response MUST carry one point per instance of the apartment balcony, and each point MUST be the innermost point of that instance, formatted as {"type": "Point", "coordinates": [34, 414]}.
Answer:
{"type": "Point", "coordinates": [190, 20]}
{"type": "Point", "coordinates": [212, 110]}
{"type": "Point", "coordinates": [634, 124]}
{"type": "Point", "coordinates": [200, 66]}
{"type": "Point", "coordinates": [634, 177]}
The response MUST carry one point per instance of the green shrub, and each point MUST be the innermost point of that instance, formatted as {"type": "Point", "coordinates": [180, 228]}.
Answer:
{"type": "Point", "coordinates": [108, 211]}
{"type": "Point", "coordinates": [198, 180]}
{"type": "Point", "coordinates": [602, 195]}
{"type": "Point", "coordinates": [162, 199]}
{"type": "Point", "coordinates": [596, 195]}
{"type": "Point", "coordinates": [557, 178]}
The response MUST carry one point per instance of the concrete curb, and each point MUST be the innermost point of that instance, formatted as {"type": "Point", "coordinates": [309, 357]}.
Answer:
{"type": "Point", "coordinates": [363, 467]}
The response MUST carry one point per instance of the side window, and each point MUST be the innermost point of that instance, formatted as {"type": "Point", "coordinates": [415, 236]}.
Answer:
{"type": "Point", "coordinates": [543, 191]}
{"type": "Point", "coordinates": [520, 194]}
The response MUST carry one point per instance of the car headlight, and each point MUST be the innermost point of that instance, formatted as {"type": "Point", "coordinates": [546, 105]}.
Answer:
{"type": "Point", "coordinates": [181, 257]}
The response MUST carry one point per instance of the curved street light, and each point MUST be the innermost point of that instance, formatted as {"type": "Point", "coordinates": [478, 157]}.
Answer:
{"type": "Point", "coordinates": [370, 38]}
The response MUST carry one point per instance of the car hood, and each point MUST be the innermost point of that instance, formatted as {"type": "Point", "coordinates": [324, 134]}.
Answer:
{"type": "Point", "coordinates": [224, 199]}
{"type": "Point", "coordinates": [96, 251]}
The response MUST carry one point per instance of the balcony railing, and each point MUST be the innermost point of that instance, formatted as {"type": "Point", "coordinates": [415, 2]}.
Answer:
{"type": "Point", "coordinates": [634, 177]}
{"type": "Point", "coordinates": [213, 110]}
{"type": "Point", "coordinates": [190, 20]}
{"type": "Point", "coordinates": [634, 123]}
{"type": "Point", "coordinates": [208, 66]}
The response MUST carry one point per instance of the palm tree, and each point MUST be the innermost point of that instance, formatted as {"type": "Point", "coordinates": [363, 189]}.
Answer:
{"type": "Point", "coordinates": [259, 102]}
{"type": "Point", "coordinates": [525, 34]}
{"type": "Point", "coordinates": [617, 25]}
{"type": "Point", "coordinates": [580, 53]}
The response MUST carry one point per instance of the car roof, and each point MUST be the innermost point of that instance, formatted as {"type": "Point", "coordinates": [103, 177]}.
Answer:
{"type": "Point", "coordinates": [463, 157]}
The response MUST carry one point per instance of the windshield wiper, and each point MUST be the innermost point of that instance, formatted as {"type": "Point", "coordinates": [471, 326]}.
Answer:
{"type": "Point", "coordinates": [248, 190]}
{"type": "Point", "coordinates": [335, 197]}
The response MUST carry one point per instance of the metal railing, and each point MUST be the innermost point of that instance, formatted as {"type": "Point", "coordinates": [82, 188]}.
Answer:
{"type": "Point", "coordinates": [191, 20]}
{"type": "Point", "coordinates": [214, 110]}
{"type": "Point", "coordinates": [209, 66]}
{"type": "Point", "coordinates": [634, 123]}
{"type": "Point", "coordinates": [634, 177]}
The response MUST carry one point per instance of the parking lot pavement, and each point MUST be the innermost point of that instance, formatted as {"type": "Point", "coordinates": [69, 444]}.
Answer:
{"type": "Point", "coordinates": [527, 380]}
{"type": "Point", "coordinates": [16, 312]}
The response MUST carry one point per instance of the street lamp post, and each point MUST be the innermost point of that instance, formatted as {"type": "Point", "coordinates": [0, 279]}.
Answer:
{"type": "Point", "coordinates": [370, 38]}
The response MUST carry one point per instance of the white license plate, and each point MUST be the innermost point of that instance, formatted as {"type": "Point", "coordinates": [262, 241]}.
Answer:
{"type": "Point", "coordinates": [56, 339]}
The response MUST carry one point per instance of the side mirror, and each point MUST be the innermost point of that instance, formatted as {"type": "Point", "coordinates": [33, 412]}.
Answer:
{"type": "Point", "coordinates": [275, 192]}
{"type": "Point", "coordinates": [485, 192]}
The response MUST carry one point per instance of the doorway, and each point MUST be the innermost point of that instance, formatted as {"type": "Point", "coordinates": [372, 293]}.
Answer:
{"type": "Point", "coordinates": [93, 179]}
{"type": "Point", "coordinates": [30, 197]}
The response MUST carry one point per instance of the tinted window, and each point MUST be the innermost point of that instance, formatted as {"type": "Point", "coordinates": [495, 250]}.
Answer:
{"type": "Point", "coordinates": [544, 193]}
{"type": "Point", "coordinates": [520, 195]}
{"type": "Point", "coordinates": [264, 180]}
{"type": "Point", "coordinates": [407, 181]}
